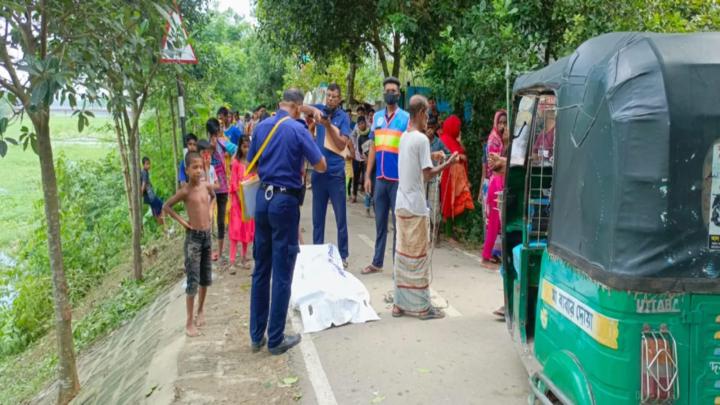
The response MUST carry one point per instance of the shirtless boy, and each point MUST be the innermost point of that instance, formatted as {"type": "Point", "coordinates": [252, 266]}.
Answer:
{"type": "Point", "coordinates": [198, 238]}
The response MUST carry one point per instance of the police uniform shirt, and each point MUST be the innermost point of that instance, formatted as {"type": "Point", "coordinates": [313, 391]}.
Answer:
{"type": "Point", "coordinates": [340, 119]}
{"type": "Point", "coordinates": [281, 163]}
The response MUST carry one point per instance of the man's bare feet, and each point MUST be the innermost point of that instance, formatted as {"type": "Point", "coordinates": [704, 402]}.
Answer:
{"type": "Point", "coordinates": [200, 319]}
{"type": "Point", "coordinates": [191, 331]}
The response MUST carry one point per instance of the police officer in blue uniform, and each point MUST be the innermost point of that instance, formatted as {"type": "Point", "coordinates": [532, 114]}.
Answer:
{"type": "Point", "coordinates": [334, 131]}
{"type": "Point", "coordinates": [277, 218]}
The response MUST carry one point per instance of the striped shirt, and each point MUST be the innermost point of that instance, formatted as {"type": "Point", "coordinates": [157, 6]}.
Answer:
{"type": "Point", "coordinates": [386, 132]}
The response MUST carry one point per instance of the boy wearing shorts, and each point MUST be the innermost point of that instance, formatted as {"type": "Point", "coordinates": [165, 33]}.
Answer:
{"type": "Point", "coordinates": [196, 195]}
{"type": "Point", "coordinates": [149, 196]}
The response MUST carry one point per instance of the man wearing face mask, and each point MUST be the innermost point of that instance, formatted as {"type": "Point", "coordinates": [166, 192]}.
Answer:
{"type": "Point", "coordinates": [386, 129]}
{"type": "Point", "coordinates": [332, 135]}
{"type": "Point", "coordinates": [277, 217]}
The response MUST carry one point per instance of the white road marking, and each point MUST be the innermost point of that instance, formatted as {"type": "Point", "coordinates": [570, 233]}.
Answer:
{"type": "Point", "coordinates": [321, 385]}
{"type": "Point", "coordinates": [440, 302]}
{"type": "Point", "coordinates": [468, 254]}
{"type": "Point", "coordinates": [367, 240]}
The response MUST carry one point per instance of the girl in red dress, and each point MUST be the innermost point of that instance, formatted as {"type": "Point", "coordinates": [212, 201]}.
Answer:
{"type": "Point", "coordinates": [240, 232]}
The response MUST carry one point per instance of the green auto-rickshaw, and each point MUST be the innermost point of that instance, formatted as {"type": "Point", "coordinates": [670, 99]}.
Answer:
{"type": "Point", "coordinates": [611, 222]}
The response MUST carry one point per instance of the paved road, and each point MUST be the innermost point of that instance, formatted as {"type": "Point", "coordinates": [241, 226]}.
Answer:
{"type": "Point", "coordinates": [466, 358]}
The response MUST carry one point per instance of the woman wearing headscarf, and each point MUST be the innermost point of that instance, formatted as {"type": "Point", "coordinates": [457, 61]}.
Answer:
{"type": "Point", "coordinates": [495, 181]}
{"type": "Point", "coordinates": [455, 194]}
{"type": "Point", "coordinates": [495, 143]}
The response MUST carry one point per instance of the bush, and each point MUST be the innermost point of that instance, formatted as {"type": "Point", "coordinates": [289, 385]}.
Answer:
{"type": "Point", "coordinates": [94, 230]}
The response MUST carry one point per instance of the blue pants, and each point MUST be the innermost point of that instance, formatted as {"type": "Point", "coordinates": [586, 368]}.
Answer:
{"type": "Point", "coordinates": [330, 187]}
{"type": "Point", "coordinates": [385, 192]}
{"type": "Point", "coordinates": [275, 250]}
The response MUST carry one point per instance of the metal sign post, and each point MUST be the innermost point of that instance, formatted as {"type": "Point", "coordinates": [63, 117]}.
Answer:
{"type": "Point", "coordinates": [177, 49]}
{"type": "Point", "coordinates": [181, 106]}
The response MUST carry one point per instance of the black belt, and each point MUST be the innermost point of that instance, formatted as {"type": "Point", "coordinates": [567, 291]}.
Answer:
{"type": "Point", "coordinates": [295, 192]}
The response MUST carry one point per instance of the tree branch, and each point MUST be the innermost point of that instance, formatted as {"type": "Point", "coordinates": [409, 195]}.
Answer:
{"type": "Point", "coordinates": [43, 29]}
{"type": "Point", "coordinates": [25, 29]}
{"type": "Point", "coordinates": [17, 87]}
{"type": "Point", "coordinates": [396, 54]}
{"type": "Point", "coordinates": [7, 85]}
{"type": "Point", "coordinates": [378, 45]}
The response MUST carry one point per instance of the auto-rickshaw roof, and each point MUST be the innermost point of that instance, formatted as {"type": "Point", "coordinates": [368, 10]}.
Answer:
{"type": "Point", "coordinates": [638, 117]}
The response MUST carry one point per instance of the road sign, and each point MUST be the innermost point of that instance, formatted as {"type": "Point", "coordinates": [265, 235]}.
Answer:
{"type": "Point", "coordinates": [175, 45]}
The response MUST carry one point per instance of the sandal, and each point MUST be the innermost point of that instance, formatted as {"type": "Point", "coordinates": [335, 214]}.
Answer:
{"type": "Point", "coordinates": [397, 314]}
{"type": "Point", "coordinates": [489, 264]}
{"type": "Point", "coordinates": [432, 313]}
{"type": "Point", "coordinates": [370, 270]}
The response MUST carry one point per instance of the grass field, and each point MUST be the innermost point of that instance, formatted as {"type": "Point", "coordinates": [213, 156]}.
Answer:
{"type": "Point", "coordinates": [20, 185]}
{"type": "Point", "coordinates": [65, 127]}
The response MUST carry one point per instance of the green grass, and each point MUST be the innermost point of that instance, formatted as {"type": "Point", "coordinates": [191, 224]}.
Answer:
{"type": "Point", "coordinates": [65, 127]}
{"type": "Point", "coordinates": [20, 185]}
{"type": "Point", "coordinates": [115, 301]}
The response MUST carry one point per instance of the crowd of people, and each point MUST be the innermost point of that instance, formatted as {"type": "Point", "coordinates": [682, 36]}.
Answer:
{"type": "Point", "coordinates": [408, 166]}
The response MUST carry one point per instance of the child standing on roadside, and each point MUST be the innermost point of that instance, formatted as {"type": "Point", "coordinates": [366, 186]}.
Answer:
{"type": "Point", "coordinates": [149, 196]}
{"type": "Point", "coordinates": [493, 226]}
{"type": "Point", "coordinates": [239, 231]}
{"type": "Point", "coordinates": [196, 195]}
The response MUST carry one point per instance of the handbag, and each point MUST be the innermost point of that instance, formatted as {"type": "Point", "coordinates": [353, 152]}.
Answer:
{"type": "Point", "coordinates": [249, 187]}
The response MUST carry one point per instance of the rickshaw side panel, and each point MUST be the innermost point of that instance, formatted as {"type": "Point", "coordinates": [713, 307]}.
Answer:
{"type": "Point", "coordinates": [609, 358]}
{"type": "Point", "coordinates": [566, 373]}
{"type": "Point", "coordinates": [704, 318]}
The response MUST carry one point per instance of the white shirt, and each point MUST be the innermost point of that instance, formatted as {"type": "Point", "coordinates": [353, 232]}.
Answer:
{"type": "Point", "coordinates": [414, 157]}
{"type": "Point", "coordinates": [211, 176]}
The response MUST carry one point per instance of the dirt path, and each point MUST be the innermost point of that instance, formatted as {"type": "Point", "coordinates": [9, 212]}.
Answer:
{"type": "Point", "coordinates": [218, 367]}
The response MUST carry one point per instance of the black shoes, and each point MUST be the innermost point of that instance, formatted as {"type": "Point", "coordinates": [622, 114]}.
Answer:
{"type": "Point", "coordinates": [285, 345]}
{"type": "Point", "coordinates": [255, 347]}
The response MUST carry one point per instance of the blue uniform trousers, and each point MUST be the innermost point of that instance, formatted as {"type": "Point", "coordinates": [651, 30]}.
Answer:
{"type": "Point", "coordinates": [330, 187]}
{"type": "Point", "coordinates": [275, 250]}
{"type": "Point", "coordinates": [384, 193]}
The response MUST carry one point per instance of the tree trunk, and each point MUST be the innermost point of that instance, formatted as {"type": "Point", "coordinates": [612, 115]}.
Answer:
{"type": "Point", "coordinates": [159, 129]}
{"type": "Point", "coordinates": [122, 145]}
{"type": "Point", "coordinates": [396, 55]}
{"type": "Point", "coordinates": [135, 196]}
{"type": "Point", "coordinates": [378, 45]}
{"type": "Point", "coordinates": [547, 53]}
{"type": "Point", "coordinates": [174, 141]}
{"type": "Point", "coordinates": [351, 82]}
{"type": "Point", "coordinates": [69, 383]}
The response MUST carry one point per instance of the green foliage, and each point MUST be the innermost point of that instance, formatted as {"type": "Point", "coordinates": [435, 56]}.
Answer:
{"type": "Point", "coordinates": [468, 60]}
{"type": "Point", "coordinates": [94, 222]}
{"type": "Point", "coordinates": [121, 307]}
{"type": "Point", "coordinates": [326, 29]}
{"type": "Point", "coordinates": [320, 29]}
{"type": "Point", "coordinates": [368, 79]}
{"type": "Point", "coordinates": [235, 67]}
{"type": "Point", "coordinates": [158, 147]}
{"type": "Point", "coordinates": [23, 375]}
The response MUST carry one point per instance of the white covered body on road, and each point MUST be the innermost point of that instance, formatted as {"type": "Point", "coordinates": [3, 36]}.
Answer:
{"type": "Point", "coordinates": [324, 293]}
